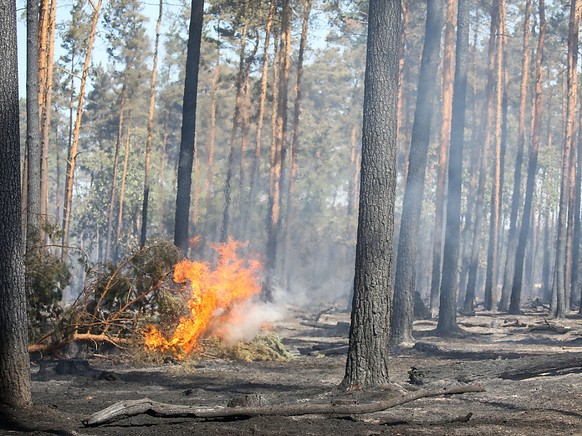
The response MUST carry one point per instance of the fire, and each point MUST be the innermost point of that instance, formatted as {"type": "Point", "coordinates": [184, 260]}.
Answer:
{"type": "Point", "coordinates": [216, 298]}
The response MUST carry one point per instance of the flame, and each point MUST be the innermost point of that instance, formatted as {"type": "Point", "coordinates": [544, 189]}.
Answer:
{"type": "Point", "coordinates": [214, 299]}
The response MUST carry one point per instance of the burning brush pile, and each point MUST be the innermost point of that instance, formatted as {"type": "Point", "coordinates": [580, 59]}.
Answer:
{"type": "Point", "coordinates": [221, 310]}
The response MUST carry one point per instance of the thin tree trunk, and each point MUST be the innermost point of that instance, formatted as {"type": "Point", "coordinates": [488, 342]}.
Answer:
{"type": "Point", "coordinates": [445, 132]}
{"type": "Point", "coordinates": [404, 285]}
{"type": "Point", "coordinates": [74, 149]}
{"type": "Point", "coordinates": [516, 289]}
{"type": "Point", "coordinates": [148, 151]}
{"type": "Point", "coordinates": [208, 188]}
{"type": "Point", "coordinates": [558, 309]}
{"type": "Point", "coordinates": [468, 306]}
{"type": "Point", "coordinates": [516, 196]}
{"type": "Point", "coordinates": [161, 180]}
{"type": "Point", "coordinates": [122, 196]}
{"type": "Point", "coordinates": [495, 215]}
{"type": "Point", "coordinates": [447, 322]}
{"type": "Point", "coordinates": [113, 191]}
{"type": "Point", "coordinates": [236, 122]}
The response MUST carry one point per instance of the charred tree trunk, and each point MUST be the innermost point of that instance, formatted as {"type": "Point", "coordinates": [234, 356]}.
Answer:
{"type": "Point", "coordinates": [404, 285]}
{"type": "Point", "coordinates": [186, 159]}
{"type": "Point", "coordinates": [367, 362]}
{"type": "Point", "coordinates": [447, 322]}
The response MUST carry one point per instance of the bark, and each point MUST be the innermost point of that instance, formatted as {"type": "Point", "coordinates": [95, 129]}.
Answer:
{"type": "Point", "coordinates": [74, 149]}
{"type": "Point", "coordinates": [404, 285]}
{"type": "Point", "coordinates": [367, 362]}
{"type": "Point", "coordinates": [161, 179]}
{"type": "Point", "coordinates": [401, 68]}
{"type": "Point", "coordinates": [150, 128]}
{"type": "Point", "coordinates": [516, 289]}
{"type": "Point", "coordinates": [559, 284]}
{"type": "Point", "coordinates": [516, 195]}
{"type": "Point", "coordinates": [129, 408]}
{"type": "Point", "coordinates": [447, 322]}
{"type": "Point", "coordinates": [186, 158]}
{"type": "Point", "coordinates": [33, 144]}
{"type": "Point", "coordinates": [14, 361]}
{"type": "Point", "coordinates": [445, 131]}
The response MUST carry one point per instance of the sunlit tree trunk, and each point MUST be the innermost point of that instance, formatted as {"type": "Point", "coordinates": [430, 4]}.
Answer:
{"type": "Point", "coordinates": [161, 179]}
{"type": "Point", "coordinates": [74, 149]}
{"type": "Point", "coordinates": [495, 215]}
{"type": "Point", "coordinates": [445, 132]}
{"type": "Point", "coordinates": [15, 383]}
{"type": "Point", "coordinates": [186, 158]}
{"type": "Point", "coordinates": [261, 115]}
{"type": "Point", "coordinates": [367, 362]}
{"type": "Point", "coordinates": [447, 322]}
{"type": "Point", "coordinates": [148, 150]}
{"type": "Point", "coordinates": [558, 309]}
{"type": "Point", "coordinates": [404, 285]}
{"type": "Point", "coordinates": [516, 196]}
{"type": "Point", "coordinates": [516, 289]}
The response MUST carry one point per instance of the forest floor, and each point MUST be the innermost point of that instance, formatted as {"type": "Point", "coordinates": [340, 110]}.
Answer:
{"type": "Point", "coordinates": [528, 365]}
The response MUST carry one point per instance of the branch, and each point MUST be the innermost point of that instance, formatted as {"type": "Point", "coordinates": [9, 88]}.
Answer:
{"type": "Point", "coordinates": [126, 409]}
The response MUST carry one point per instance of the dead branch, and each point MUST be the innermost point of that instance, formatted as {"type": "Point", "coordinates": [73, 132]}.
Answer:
{"type": "Point", "coordinates": [55, 346]}
{"type": "Point", "coordinates": [129, 408]}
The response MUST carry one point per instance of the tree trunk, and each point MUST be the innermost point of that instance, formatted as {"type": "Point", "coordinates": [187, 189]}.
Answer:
{"type": "Point", "coordinates": [148, 150]}
{"type": "Point", "coordinates": [122, 195]}
{"type": "Point", "coordinates": [33, 144]}
{"type": "Point", "coordinates": [558, 309]}
{"type": "Point", "coordinates": [14, 360]}
{"type": "Point", "coordinates": [236, 123]}
{"type": "Point", "coordinates": [208, 184]}
{"type": "Point", "coordinates": [445, 132]}
{"type": "Point", "coordinates": [401, 67]}
{"type": "Point", "coordinates": [495, 215]}
{"type": "Point", "coordinates": [516, 289]}
{"type": "Point", "coordinates": [186, 158]}
{"type": "Point", "coordinates": [113, 191]}
{"type": "Point", "coordinates": [74, 149]}
{"type": "Point", "coordinates": [447, 322]}
{"type": "Point", "coordinates": [161, 180]}
{"type": "Point", "coordinates": [468, 306]}
{"type": "Point", "coordinates": [367, 362]}
{"type": "Point", "coordinates": [404, 285]}
{"type": "Point", "coordinates": [516, 196]}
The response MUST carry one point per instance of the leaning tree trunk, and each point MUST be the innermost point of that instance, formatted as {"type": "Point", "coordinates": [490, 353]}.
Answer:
{"type": "Point", "coordinates": [14, 360]}
{"type": "Point", "coordinates": [516, 289]}
{"type": "Point", "coordinates": [367, 362]}
{"type": "Point", "coordinates": [186, 158]}
{"type": "Point", "coordinates": [447, 322]}
{"type": "Point", "coordinates": [404, 285]}
{"type": "Point", "coordinates": [148, 150]}
{"type": "Point", "coordinates": [74, 149]}
{"type": "Point", "coordinates": [558, 309]}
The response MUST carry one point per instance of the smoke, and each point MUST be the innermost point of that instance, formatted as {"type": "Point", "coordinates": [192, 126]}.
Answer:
{"type": "Point", "coordinates": [245, 319]}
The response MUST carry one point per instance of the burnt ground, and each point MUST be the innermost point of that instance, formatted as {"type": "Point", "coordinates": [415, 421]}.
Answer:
{"type": "Point", "coordinates": [529, 366]}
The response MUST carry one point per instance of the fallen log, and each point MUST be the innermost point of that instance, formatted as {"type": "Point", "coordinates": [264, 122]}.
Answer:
{"type": "Point", "coordinates": [129, 408]}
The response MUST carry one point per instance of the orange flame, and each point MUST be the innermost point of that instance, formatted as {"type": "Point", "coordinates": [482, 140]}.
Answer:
{"type": "Point", "coordinates": [214, 293]}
